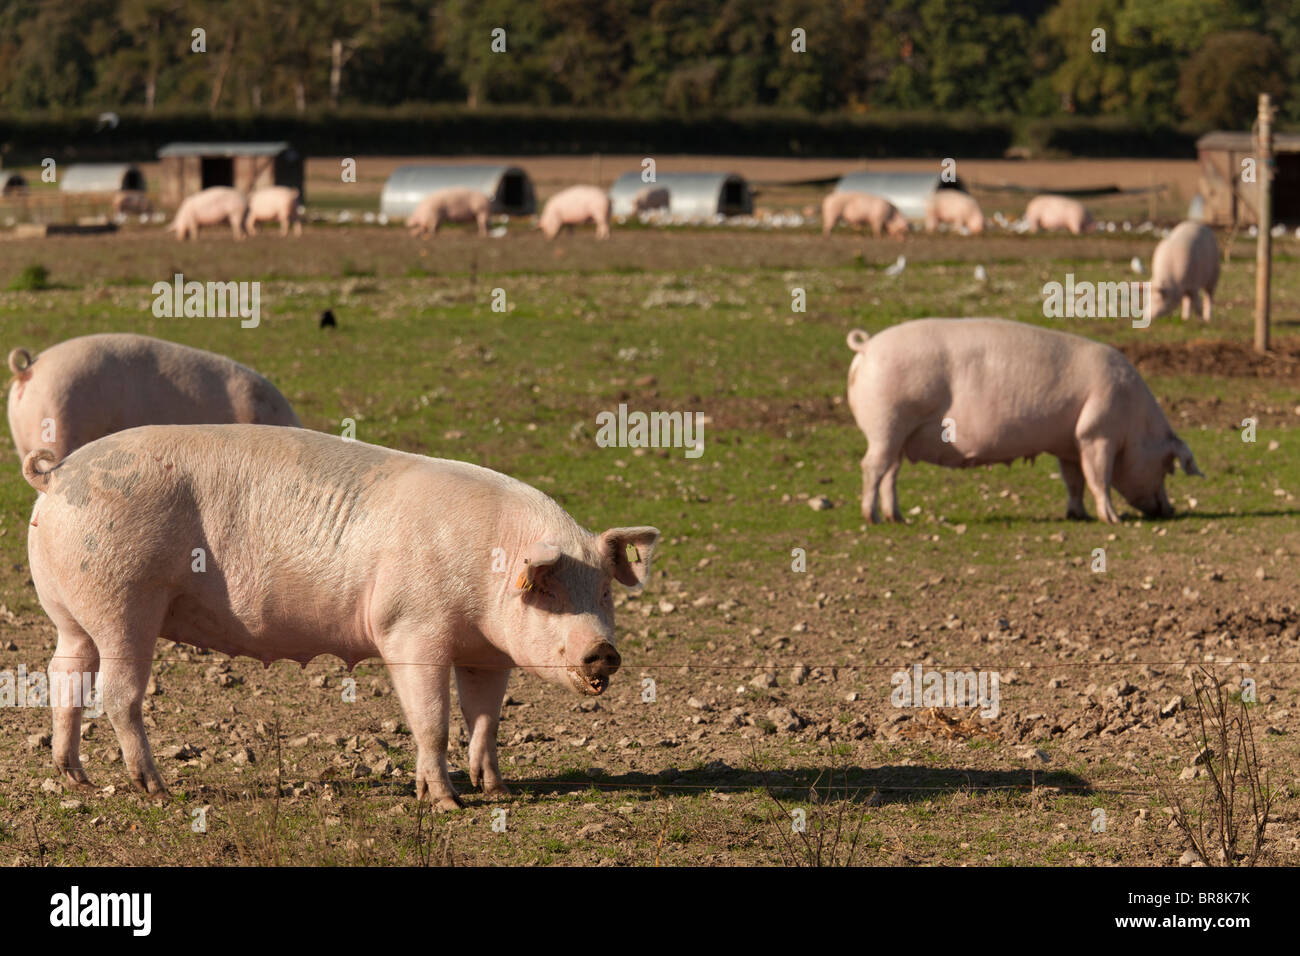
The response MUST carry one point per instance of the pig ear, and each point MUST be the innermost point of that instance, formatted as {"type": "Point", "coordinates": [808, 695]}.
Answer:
{"type": "Point", "coordinates": [1186, 459]}
{"type": "Point", "coordinates": [629, 551]}
{"type": "Point", "coordinates": [533, 565]}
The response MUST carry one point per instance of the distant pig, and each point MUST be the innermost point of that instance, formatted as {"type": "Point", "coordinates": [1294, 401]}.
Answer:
{"type": "Point", "coordinates": [862, 209]}
{"type": "Point", "coordinates": [1185, 264]}
{"type": "Point", "coordinates": [272, 203]}
{"type": "Point", "coordinates": [450, 205]}
{"type": "Point", "coordinates": [573, 207]}
{"type": "Point", "coordinates": [318, 545]}
{"type": "Point", "coordinates": [88, 387]}
{"type": "Point", "coordinates": [1058, 212]}
{"type": "Point", "coordinates": [964, 392]}
{"type": "Point", "coordinates": [651, 197]}
{"type": "Point", "coordinates": [211, 207]}
{"type": "Point", "coordinates": [131, 202]}
{"type": "Point", "coordinates": [955, 208]}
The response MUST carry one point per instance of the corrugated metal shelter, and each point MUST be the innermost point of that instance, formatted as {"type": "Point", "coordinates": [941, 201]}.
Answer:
{"type": "Point", "coordinates": [509, 186]}
{"type": "Point", "coordinates": [909, 192]}
{"type": "Point", "coordinates": [188, 168]}
{"type": "Point", "coordinates": [690, 195]}
{"type": "Point", "coordinates": [1231, 202]}
{"type": "Point", "coordinates": [12, 184]}
{"type": "Point", "coordinates": [101, 178]}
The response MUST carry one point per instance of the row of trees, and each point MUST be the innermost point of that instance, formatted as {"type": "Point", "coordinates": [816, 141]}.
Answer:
{"type": "Point", "coordinates": [1157, 60]}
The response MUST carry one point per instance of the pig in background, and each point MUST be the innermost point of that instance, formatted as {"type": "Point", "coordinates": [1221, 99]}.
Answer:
{"type": "Point", "coordinates": [573, 207]}
{"type": "Point", "coordinates": [651, 197]}
{"type": "Point", "coordinates": [1184, 266]}
{"type": "Point", "coordinates": [955, 208]}
{"type": "Point", "coordinates": [863, 209]}
{"type": "Point", "coordinates": [456, 204]}
{"type": "Point", "coordinates": [965, 392]}
{"type": "Point", "coordinates": [1058, 212]}
{"type": "Point", "coordinates": [91, 386]}
{"type": "Point", "coordinates": [274, 204]}
{"type": "Point", "coordinates": [318, 545]}
{"type": "Point", "coordinates": [210, 207]}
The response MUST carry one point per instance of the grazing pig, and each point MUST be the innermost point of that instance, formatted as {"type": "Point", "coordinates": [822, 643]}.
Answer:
{"type": "Point", "coordinates": [652, 197]}
{"type": "Point", "coordinates": [1185, 263]}
{"type": "Point", "coordinates": [1058, 212]}
{"type": "Point", "coordinates": [955, 208]}
{"type": "Point", "coordinates": [211, 207]}
{"type": "Point", "coordinates": [862, 209]}
{"type": "Point", "coordinates": [573, 207]}
{"type": "Point", "coordinates": [450, 205]}
{"type": "Point", "coordinates": [88, 387]}
{"type": "Point", "coordinates": [963, 392]}
{"type": "Point", "coordinates": [318, 545]}
{"type": "Point", "coordinates": [274, 203]}
{"type": "Point", "coordinates": [131, 202]}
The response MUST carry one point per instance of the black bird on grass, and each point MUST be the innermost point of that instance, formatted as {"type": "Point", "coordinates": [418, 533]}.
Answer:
{"type": "Point", "coordinates": [327, 320]}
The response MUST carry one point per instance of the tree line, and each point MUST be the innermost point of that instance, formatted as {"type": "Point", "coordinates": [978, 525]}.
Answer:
{"type": "Point", "coordinates": [1201, 62]}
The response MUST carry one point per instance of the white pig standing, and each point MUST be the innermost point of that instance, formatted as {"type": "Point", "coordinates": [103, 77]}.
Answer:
{"type": "Point", "coordinates": [965, 392]}
{"type": "Point", "coordinates": [1185, 263]}
{"type": "Point", "coordinates": [450, 205]}
{"type": "Point", "coordinates": [210, 207]}
{"type": "Point", "coordinates": [93, 385]}
{"type": "Point", "coordinates": [274, 203]}
{"type": "Point", "coordinates": [863, 209]}
{"type": "Point", "coordinates": [954, 207]}
{"type": "Point", "coordinates": [573, 207]}
{"type": "Point", "coordinates": [1058, 212]}
{"type": "Point", "coordinates": [318, 545]}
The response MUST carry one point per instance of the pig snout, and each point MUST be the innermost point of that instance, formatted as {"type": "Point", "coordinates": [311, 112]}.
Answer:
{"type": "Point", "coordinates": [600, 662]}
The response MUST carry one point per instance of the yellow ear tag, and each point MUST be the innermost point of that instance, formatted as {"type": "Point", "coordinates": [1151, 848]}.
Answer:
{"type": "Point", "coordinates": [523, 583]}
{"type": "Point", "coordinates": [634, 554]}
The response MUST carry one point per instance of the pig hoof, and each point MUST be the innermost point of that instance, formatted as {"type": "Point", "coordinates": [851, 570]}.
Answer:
{"type": "Point", "coordinates": [498, 791]}
{"type": "Point", "coordinates": [77, 777]}
{"type": "Point", "coordinates": [448, 804]}
{"type": "Point", "coordinates": [150, 783]}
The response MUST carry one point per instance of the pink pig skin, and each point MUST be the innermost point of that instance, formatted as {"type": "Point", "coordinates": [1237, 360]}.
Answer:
{"type": "Point", "coordinates": [1058, 212]}
{"type": "Point", "coordinates": [1184, 266]}
{"type": "Point", "coordinates": [955, 208]}
{"type": "Point", "coordinates": [319, 545]}
{"type": "Point", "coordinates": [450, 205]}
{"type": "Point", "coordinates": [274, 203]}
{"type": "Point", "coordinates": [863, 209]}
{"type": "Point", "coordinates": [999, 391]}
{"type": "Point", "coordinates": [573, 207]}
{"type": "Point", "coordinates": [94, 385]}
{"type": "Point", "coordinates": [211, 207]}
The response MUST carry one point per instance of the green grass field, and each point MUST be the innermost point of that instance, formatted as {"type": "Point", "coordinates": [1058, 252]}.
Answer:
{"type": "Point", "coordinates": [985, 571]}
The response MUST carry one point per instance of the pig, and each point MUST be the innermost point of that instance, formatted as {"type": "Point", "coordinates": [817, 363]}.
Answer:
{"type": "Point", "coordinates": [318, 545]}
{"type": "Point", "coordinates": [450, 205]}
{"type": "Point", "coordinates": [1184, 266]}
{"type": "Point", "coordinates": [651, 197]}
{"type": "Point", "coordinates": [212, 206]}
{"type": "Point", "coordinates": [955, 208]}
{"type": "Point", "coordinates": [1058, 212]}
{"type": "Point", "coordinates": [574, 206]}
{"type": "Point", "coordinates": [862, 209]}
{"type": "Point", "coordinates": [964, 392]}
{"type": "Point", "coordinates": [131, 201]}
{"type": "Point", "coordinates": [88, 387]}
{"type": "Point", "coordinates": [274, 203]}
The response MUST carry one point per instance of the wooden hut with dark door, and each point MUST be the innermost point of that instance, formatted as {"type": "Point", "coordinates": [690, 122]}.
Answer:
{"type": "Point", "coordinates": [1227, 199]}
{"type": "Point", "coordinates": [188, 168]}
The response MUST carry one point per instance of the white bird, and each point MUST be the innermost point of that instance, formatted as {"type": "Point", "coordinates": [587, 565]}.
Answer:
{"type": "Point", "coordinates": [1136, 265]}
{"type": "Point", "coordinates": [897, 268]}
{"type": "Point", "coordinates": [1278, 231]}
{"type": "Point", "coordinates": [109, 120]}
{"type": "Point", "coordinates": [981, 274]}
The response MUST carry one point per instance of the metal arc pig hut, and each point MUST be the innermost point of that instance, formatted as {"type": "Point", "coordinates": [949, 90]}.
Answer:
{"type": "Point", "coordinates": [509, 187]}
{"type": "Point", "coordinates": [909, 192]}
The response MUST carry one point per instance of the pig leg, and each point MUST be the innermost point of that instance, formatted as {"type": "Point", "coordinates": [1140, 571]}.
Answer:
{"type": "Point", "coordinates": [125, 666]}
{"type": "Point", "coordinates": [251, 226]}
{"type": "Point", "coordinates": [1187, 307]}
{"type": "Point", "coordinates": [237, 227]}
{"type": "Point", "coordinates": [876, 463]}
{"type": "Point", "coordinates": [297, 226]}
{"type": "Point", "coordinates": [1072, 475]}
{"type": "Point", "coordinates": [74, 655]}
{"type": "Point", "coordinates": [889, 492]}
{"type": "Point", "coordinates": [482, 223]}
{"type": "Point", "coordinates": [424, 690]}
{"type": "Point", "coordinates": [1206, 304]}
{"type": "Point", "coordinates": [1098, 459]}
{"type": "Point", "coordinates": [284, 226]}
{"type": "Point", "coordinates": [481, 693]}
